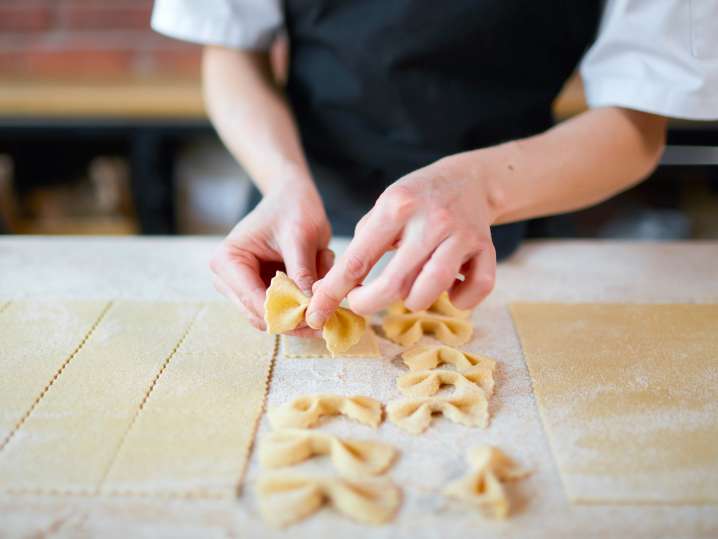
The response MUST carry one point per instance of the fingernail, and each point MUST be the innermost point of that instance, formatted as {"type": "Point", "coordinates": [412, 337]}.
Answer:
{"type": "Point", "coordinates": [315, 320]}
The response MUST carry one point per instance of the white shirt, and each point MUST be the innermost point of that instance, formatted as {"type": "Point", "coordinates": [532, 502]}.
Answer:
{"type": "Point", "coordinates": [658, 56]}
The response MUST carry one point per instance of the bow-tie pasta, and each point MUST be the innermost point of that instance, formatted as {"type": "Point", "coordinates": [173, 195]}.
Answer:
{"type": "Point", "coordinates": [478, 369]}
{"type": "Point", "coordinates": [429, 382]}
{"type": "Point", "coordinates": [285, 307]}
{"type": "Point", "coordinates": [286, 498]}
{"type": "Point", "coordinates": [306, 411]}
{"type": "Point", "coordinates": [447, 323]}
{"type": "Point", "coordinates": [483, 486]}
{"type": "Point", "coordinates": [350, 457]}
{"type": "Point", "coordinates": [467, 407]}
{"type": "Point", "coordinates": [442, 306]}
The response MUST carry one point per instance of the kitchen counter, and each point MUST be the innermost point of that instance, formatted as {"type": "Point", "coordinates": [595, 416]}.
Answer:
{"type": "Point", "coordinates": [572, 271]}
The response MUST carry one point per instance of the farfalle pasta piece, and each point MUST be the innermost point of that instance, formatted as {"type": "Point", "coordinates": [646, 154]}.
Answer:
{"type": "Point", "coordinates": [343, 330]}
{"type": "Point", "coordinates": [350, 457]}
{"type": "Point", "coordinates": [478, 369]}
{"type": "Point", "coordinates": [447, 323]}
{"type": "Point", "coordinates": [306, 411]}
{"type": "Point", "coordinates": [413, 414]}
{"type": "Point", "coordinates": [285, 498]}
{"type": "Point", "coordinates": [483, 485]}
{"type": "Point", "coordinates": [407, 329]}
{"type": "Point", "coordinates": [428, 382]}
{"type": "Point", "coordinates": [285, 307]}
{"type": "Point", "coordinates": [442, 306]}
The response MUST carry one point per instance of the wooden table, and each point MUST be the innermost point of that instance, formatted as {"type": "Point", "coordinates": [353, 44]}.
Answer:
{"type": "Point", "coordinates": [558, 271]}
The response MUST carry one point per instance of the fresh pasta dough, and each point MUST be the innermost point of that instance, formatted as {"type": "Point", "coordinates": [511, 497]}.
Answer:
{"type": "Point", "coordinates": [442, 306]}
{"type": "Point", "coordinates": [306, 411]}
{"type": "Point", "coordinates": [483, 485]}
{"type": "Point", "coordinates": [627, 395]}
{"type": "Point", "coordinates": [478, 369]}
{"type": "Point", "coordinates": [424, 357]}
{"type": "Point", "coordinates": [302, 347]}
{"type": "Point", "coordinates": [285, 308]}
{"type": "Point", "coordinates": [285, 498]}
{"type": "Point", "coordinates": [429, 382]}
{"type": "Point", "coordinates": [467, 407]}
{"type": "Point", "coordinates": [447, 323]}
{"type": "Point", "coordinates": [350, 457]}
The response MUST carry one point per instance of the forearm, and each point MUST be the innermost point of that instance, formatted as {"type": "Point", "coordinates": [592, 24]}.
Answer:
{"type": "Point", "coordinates": [576, 164]}
{"type": "Point", "coordinates": [253, 118]}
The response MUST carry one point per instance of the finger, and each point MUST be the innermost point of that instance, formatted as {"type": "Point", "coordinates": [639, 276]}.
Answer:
{"type": "Point", "coordinates": [438, 274]}
{"type": "Point", "coordinates": [305, 333]}
{"type": "Point", "coordinates": [239, 271]}
{"type": "Point", "coordinates": [399, 274]}
{"type": "Point", "coordinates": [480, 276]}
{"type": "Point", "coordinates": [300, 259]}
{"type": "Point", "coordinates": [226, 291]}
{"type": "Point", "coordinates": [325, 261]}
{"type": "Point", "coordinates": [363, 252]}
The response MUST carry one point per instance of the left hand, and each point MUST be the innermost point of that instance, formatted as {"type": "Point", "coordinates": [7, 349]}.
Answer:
{"type": "Point", "coordinates": [438, 218]}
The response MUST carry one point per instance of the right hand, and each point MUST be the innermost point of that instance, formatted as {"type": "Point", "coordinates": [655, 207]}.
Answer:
{"type": "Point", "coordinates": [288, 229]}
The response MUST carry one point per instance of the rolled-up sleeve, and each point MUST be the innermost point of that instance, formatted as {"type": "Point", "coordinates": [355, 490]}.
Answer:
{"type": "Point", "coordinates": [658, 56]}
{"type": "Point", "coordinates": [237, 24]}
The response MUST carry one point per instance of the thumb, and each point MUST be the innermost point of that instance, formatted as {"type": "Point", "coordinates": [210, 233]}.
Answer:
{"type": "Point", "coordinates": [300, 259]}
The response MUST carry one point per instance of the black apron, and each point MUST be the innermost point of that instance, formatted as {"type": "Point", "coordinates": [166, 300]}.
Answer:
{"type": "Point", "coordinates": [380, 88]}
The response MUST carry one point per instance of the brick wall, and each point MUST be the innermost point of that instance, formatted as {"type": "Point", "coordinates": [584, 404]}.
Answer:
{"type": "Point", "coordinates": [88, 38]}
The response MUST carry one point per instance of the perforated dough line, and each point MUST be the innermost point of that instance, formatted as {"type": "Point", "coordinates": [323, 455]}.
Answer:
{"type": "Point", "coordinates": [152, 385]}
{"type": "Point", "coordinates": [187, 495]}
{"type": "Point", "coordinates": [55, 376]}
{"type": "Point", "coordinates": [258, 416]}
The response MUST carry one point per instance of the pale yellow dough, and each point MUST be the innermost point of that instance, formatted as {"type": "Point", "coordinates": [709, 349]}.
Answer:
{"type": "Point", "coordinates": [159, 399]}
{"type": "Point", "coordinates": [37, 340]}
{"type": "Point", "coordinates": [627, 394]}
{"type": "Point", "coordinates": [350, 457]}
{"type": "Point", "coordinates": [306, 411]}
{"type": "Point", "coordinates": [195, 431]}
{"type": "Point", "coordinates": [478, 369]}
{"type": "Point", "coordinates": [469, 407]}
{"type": "Point", "coordinates": [285, 307]}
{"type": "Point", "coordinates": [302, 347]}
{"type": "Point", "coordinates": [483, 486]}
{"type": "Point", "coordinates": [429, 382]}
{"type": "Point", "coordinates": [448, 324]}
{"type": "Point", "coordinates": [285, 498]}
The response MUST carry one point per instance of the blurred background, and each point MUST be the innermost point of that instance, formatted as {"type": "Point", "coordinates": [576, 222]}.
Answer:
{"type": "Point", "coordinates": [103, 131]}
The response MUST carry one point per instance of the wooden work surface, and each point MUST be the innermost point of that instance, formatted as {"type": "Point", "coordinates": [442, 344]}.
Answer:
{"type": "Point", "coordinates": [576, 271]}
{"type": "Point", "coordinates": [179, 99]}
{"type": "Point", "coordinates": [138, 99]}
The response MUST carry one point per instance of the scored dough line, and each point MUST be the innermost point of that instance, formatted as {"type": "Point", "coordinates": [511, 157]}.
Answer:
{"type": "Point", "coordinates": [146, 397]}
{"type": "Point", "coordinates": [262, 410]}
{"type": "Point", "coordinates": [55, 376]}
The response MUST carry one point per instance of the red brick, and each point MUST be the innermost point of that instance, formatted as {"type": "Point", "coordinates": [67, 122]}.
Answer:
{"type": "Point", "coordinates": [79, 62]}
{"type": "Point", "coordinates": [170, 62]}
{"type": "Point", "coordinates": [11, 63]}
{"type": "Point", "coordinates": [105, 15]}
{"type": "Point", "coordinates": [25, 17]}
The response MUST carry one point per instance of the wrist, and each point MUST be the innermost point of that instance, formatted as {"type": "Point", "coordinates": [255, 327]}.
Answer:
{"type": "Point", "coordinates": [483, 170]}
{"type": "Point", "coordinates": [289, 178]}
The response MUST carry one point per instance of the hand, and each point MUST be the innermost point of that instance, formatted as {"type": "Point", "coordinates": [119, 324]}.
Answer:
{"type": "Point", "coordinates": [439, 217]}
{"type": "Point", "coordinates": [287, 228]}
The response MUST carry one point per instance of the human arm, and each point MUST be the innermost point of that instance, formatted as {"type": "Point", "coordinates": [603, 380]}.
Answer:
{"type": "Point", "coordinates": [440, 215]}
{"type": "Point", "coordinates": [289, 225]}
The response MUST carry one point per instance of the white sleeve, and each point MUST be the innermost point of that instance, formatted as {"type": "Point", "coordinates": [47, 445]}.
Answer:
{"type": "Point", "coordinates": [237, 24]}
{"type": "Point", "coordinates": [658, 56]}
